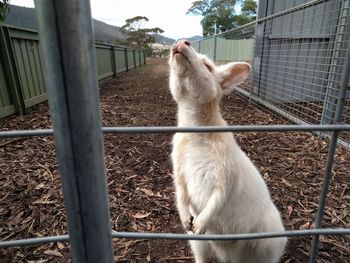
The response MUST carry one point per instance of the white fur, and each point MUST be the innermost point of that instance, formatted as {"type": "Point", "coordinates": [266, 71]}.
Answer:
{"type": "Point", "coordinates": [216, 183]}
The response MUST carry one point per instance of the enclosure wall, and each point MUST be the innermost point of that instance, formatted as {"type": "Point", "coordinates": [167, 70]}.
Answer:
{"type": "Point", "coordinates": [21, 74]}
{"type": "Point", "coordinates": [6, 105]}
{"type": "Point", "coordinates": [221, 49]}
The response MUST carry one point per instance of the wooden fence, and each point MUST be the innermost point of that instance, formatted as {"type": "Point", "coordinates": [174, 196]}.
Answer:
{"type": "Point", "coordinates": [21, 73]}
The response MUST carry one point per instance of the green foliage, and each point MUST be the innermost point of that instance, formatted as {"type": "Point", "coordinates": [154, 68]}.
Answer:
{"type": "Point", "coordinates": [138, 36]}
{"type": "Point", "coordinates": [221, 19]}
{"type": "Point", "coordinates": [220, 15]}
{"type": "Point", "coordinates": [206, 7]}
{"type": "Point", "coordinates": [249, 8]}
{"type": "Point", "coordinates": [4, 7]}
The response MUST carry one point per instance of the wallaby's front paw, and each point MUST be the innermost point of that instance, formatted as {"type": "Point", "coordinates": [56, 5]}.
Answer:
{"type": "Point", "coordinates": [199, 225]}
{"type": "Point", "coordinates": [187, 222]}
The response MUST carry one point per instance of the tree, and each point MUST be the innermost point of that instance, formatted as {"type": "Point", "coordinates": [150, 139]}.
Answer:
{"type": "Point", "coordinates": [121, 42]}
{"type": "Point", "coordinates": [249, 8]}
{"type": "Point", "coordinates": [138, 36]}
{"type": "Point", "coordinates": [220, 15]}
{"type": "Point", "coordinates": [4, 6]}
{"type": "Point", "coordinates": [217, 14]}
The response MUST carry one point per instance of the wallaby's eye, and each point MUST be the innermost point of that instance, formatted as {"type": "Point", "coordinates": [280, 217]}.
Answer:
{"type": "Point", "coordinates": [208, 67]}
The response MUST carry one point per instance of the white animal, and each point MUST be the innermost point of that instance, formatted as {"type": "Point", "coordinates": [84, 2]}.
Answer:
{"type": "Point", "coordinates": [218, 189]}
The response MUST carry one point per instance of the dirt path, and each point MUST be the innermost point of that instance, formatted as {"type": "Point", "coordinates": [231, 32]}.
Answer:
{"type": "Point", "coordinates": [139, 176]}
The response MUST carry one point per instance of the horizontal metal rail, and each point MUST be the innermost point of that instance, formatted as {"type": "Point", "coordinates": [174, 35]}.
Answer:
{"type": "Point", "coordinates": [199, 129]}
{"type": "Point", "coordinates": [172, 236]}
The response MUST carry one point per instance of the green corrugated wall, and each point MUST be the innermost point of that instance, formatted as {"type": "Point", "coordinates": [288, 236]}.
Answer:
{"type": "Point", "coordinates": [226, 49]}
{"type": "Point", "coordinates": [131, 58]}
{"type": "Point", "coordinates": [25, 46]}
{"type": "Point", "coordinates": [6, 106]}
{"type": "Point", "coordinates": [234, 50]}
{"type": "Point", "coordinates": [104, 61]}
{"type": "Point", "coordinates": [21, 73]}
{"type": "Point", "coordinates": [120, 60]}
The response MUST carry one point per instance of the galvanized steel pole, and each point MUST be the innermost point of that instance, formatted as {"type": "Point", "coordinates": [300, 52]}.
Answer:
{"type": "Point", "coordinates": [69, 56]}
{"type": "Point", "coordinates": [215, 47]}
{"type": "Point", "coordinates": [173, 236]}
{"type": "Point", "coordinates": [331, 152]}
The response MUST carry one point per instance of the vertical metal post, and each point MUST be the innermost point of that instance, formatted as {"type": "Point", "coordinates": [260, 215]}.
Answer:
{"type": "Point", "coordinates": [331, 152]}
{"type": "Point", "coordinates": [199, 46]}
{"type": "Point", "coordinates": [331, 89]}
{"type": "Point", "coordinates": [262, 44]}
{"type": "Point", "coordinates": [140, 57]}
{"type": "Point", "coordinates": [137, 54]}
{"type": "Point", "coordinates": [134, 57]}
{"type": "Point", "coordinates": [215, 47]}
{"type": "Point", "coordinates": [114, 65]}
{"type": "Point", "coordinates": [69, 58]}
{"type": "Point", "coordinates": [126, 59]}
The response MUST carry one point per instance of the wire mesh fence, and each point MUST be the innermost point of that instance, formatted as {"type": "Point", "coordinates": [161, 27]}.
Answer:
{"type": "Point", "coordinates": [298, 71]}
{"type": "Point", "coordinates": [298, 59]}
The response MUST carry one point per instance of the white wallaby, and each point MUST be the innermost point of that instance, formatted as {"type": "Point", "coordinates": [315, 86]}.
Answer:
{"type": "Point", "coordinates": [218, 189]}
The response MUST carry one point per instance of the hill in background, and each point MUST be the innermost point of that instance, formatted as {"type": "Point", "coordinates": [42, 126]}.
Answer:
{"type": "Point", "coordinates": [26, 17]}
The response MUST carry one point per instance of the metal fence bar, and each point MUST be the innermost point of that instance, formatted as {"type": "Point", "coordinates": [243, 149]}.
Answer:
{"type": "Point", "coordinates": [71, 78]}
{"type": "Point", "coordinates": [324, 191]}
{"type": "Point", "coordinates": [114, 65]}
{"type": "Point", "coordinates": [330, 156]}
{"type": "Point", "coordinates": [173, 236]}
{"type": "Point", "coordinates": [245, 236]}
{"type": "Point", "coordinates": [215, 48]}
{"type": "Point", "coordinates": [173, 129]}
{"type": "Point", "coordinates": [33, 241]}
{"type": "Point", "coordinates": [330, 96]}
{"type": "Point", "coordinates": [238, 128]}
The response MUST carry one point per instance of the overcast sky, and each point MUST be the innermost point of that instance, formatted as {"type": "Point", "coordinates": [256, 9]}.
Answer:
{"type": "Point", "coordinates": [169, 15]}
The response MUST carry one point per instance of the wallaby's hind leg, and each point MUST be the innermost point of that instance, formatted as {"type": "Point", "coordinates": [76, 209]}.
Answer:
{"type": "Point", "coordinates": [201, 250]}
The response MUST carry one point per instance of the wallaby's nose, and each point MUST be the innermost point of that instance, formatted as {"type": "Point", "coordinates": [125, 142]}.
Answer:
{"type": "Point", "coordinates": [179, 44]}
{"type": "Point", "coordinates": [187, 43]}
{"type": "Point", "coordinates": [183, 41]}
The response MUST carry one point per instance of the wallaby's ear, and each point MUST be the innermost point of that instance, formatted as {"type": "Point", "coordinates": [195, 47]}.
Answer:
{"type": "Point", "coordinates": [233, 74]}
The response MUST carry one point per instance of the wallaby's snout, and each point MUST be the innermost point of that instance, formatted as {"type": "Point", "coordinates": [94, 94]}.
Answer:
{"type": "Point", "coordinates": [180, 45]}
{"type": "Point", "coordinates": [181, 50]}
